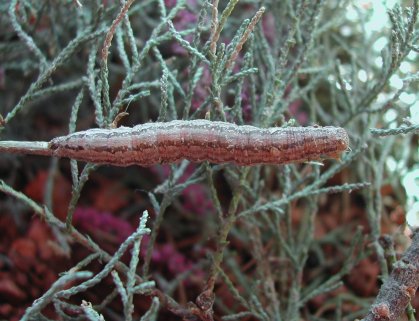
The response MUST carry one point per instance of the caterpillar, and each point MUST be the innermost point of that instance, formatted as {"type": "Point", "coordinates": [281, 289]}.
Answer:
{"type": "Point", "coordinates": [201, 140]}
{"type": "Point", "coordinates": [198, 140]}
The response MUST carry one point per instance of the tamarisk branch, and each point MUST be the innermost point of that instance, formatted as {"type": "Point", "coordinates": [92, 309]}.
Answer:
{"type": "Point", "coordinates": [31, 148]}
{"type": "Point", "coordinates": [400, 287]}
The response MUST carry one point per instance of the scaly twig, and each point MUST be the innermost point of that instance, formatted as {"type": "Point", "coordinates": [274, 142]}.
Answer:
{"type": "Point", "coordinates": [397, 291]}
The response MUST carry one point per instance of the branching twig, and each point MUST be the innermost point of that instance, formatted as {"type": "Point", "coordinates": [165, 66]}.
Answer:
{"type": "Point", "coordinates": [400, 287]}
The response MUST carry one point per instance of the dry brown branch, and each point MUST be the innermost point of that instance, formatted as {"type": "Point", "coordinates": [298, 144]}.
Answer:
{"type": "Point", "coordinates": [400, 287]}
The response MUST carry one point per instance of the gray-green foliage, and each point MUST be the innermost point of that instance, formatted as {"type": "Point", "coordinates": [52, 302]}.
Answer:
{"type": "Point", "coordinates": [52, 49]}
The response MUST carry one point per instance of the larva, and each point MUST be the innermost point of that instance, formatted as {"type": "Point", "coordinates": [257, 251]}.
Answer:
{"type": "Point", "coordinates": [201, 140]}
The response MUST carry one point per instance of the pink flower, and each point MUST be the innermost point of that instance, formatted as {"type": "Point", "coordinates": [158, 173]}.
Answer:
{"type": "Point", "coordinates": [170, 3]}
{"type": "Point", "coordinates": [176, 263]}
{"type": "Point", "coordinates": [91, 220]}
{"type": "Point", "coordinates": [2, 78]}
{"type": "Point", "coordinates": [268, 27]}
{"type": "Point", "coordinates": [196, 198]}
{"type": "Point", "coordinates": [169, 256]}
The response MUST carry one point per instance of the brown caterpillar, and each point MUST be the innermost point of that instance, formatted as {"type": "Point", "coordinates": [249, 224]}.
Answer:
{"type": "Point", "coordinates": [201, 140]}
